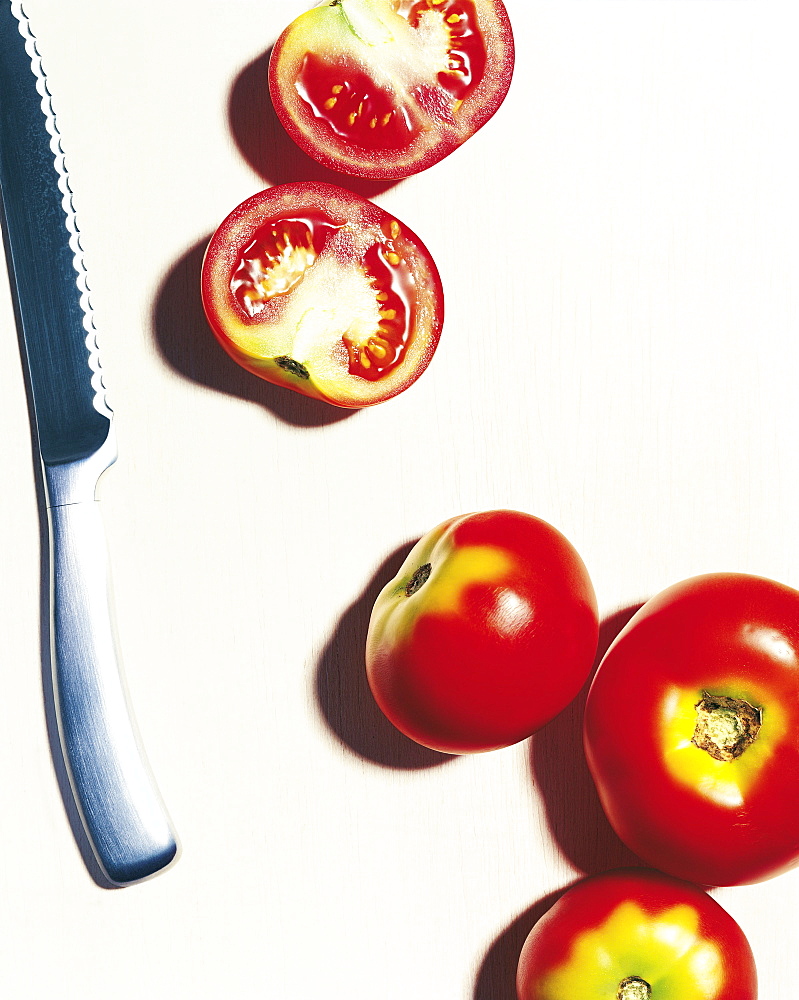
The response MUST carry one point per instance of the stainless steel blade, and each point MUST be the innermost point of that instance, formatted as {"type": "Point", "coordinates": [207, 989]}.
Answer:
{"type": "Point", "coordinates": [117, 798]}
{"type": "Point", "coordinates": [46, 259]}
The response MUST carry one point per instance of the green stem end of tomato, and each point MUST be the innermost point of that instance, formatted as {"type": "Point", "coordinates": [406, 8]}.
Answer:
{"type": "Point", "coordinates": [418, 580]}
{"type": "Point", "coordinates": [725, 726]}
{"type": "Point", "coordinates": [634, 988]}
{"type": "Point", "coordinates": [292, 367]}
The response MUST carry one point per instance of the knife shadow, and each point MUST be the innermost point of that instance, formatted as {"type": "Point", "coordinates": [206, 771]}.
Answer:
{"type": "Point", "coordinates": [187, 344]}
{"type": "Point", "coordinates": [265, 144]}
{"type": "Point", "coordinates": [48, 693]}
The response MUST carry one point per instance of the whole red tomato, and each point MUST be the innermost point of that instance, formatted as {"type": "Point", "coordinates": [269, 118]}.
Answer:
{"type": "Point", "coordinates": [314, 288]}
{"type": "Point", "coordinates": [486, 633]}
{"type": "Point", "coordinates": [692, 730]}
{"type": "Point", "coordinates": [385, 88]}
{"type": "Point", "coordinates": [634, 934]}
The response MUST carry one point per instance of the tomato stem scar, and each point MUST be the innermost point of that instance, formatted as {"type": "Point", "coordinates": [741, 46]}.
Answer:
{"type": "Point", "coordinates": [292, 367]}
{"type": "Point", "coordinates": [725, 726]}
{"type": "Point", "coordinates": [419, 579]}
{"type": "Point", "coordinates": [634, 988]}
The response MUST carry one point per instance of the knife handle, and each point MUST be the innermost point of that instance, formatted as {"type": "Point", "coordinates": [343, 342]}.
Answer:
{"type": "Point", "coordinates": [119, 803]}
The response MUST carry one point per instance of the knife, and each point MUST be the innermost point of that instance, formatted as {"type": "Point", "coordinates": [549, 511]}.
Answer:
{"type": "Point", "coordinates": [118, 801]}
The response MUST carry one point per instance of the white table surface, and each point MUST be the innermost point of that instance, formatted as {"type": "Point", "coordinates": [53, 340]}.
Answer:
{"type": "Point", "coordinates": [620, 357]}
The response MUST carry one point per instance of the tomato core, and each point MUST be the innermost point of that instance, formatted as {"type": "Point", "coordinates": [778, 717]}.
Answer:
{"type": "Point", "coordinates": [725, 726]}
{"type": "Point", "coordinates": [280, 254]}
{"type": "Point", "coordinates": [276, 259]}
{"type": "Point", "coordinates": [634, 988]}
{"type": "Point", "coordinates": [466, 53]}
{"type": "Point", "coordinates": [418, 580]}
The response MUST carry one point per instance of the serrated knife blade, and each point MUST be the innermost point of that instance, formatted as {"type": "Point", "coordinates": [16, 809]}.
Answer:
{"type": "Point", "coordinates": [119, 803]}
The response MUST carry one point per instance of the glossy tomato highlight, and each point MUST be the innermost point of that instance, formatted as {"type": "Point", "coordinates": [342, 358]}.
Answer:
{"type": "Point", "coordinates": [486, 633]}
{"type": "Point", "coordinates": [317, 289]}
{"type": "Point", "coordinates": [692, 730]}
{"type": "Point", "coordinates": [385, 88]}
{"type": "Point", "coordinates": [634, 934]}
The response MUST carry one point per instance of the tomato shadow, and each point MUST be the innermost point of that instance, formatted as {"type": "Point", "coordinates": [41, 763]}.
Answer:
{"type": "Point", "coordinates": [496, 978]}
{"type": "Point", "coordinates": [343, 694]}
{"type": "Point", "coordinates": [574, 814]}
{"type": "Point", "coordinates": [265, 144]}
{"type": "Point", "coordinates": [187, 344]}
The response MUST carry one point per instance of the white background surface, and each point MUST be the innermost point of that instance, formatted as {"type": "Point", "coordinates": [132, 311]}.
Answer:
{"type": "Point", "coordinates": [618, 248]}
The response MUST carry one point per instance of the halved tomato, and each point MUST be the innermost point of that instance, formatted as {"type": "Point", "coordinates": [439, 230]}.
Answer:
{"type": "Point", "coordinates": [385, 88]}
{"type": "Point", "coordinates": [315, 288]}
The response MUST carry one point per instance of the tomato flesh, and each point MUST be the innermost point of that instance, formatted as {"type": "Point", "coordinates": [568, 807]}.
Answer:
{"type": "Point", "coordinates": [396, 295]}
{"type": "Point", "coordinates": [312, 287]}
{"type": "Point", "coordinates": [347, 101]}
{"type": "Point", "coordinates": [282, 251]}
{"type": "Point", "coordinates": [385, 88]}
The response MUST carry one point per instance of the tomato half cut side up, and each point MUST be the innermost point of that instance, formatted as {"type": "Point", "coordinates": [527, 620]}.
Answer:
{"type": "Point", "coordinates": [385, 88]}
{"type": "Point", "coordinates": [314, 288]}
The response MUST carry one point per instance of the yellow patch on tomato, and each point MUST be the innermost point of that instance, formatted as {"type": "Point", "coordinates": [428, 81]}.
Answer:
{"type": "Point", "coordinates": [664, 949]}
{"type": "Point", "coordinates": [433, 581]}
{"type": "Point", "coordinates": [443, 592]}
{"type": "Point", "coordinates": [723, 782]}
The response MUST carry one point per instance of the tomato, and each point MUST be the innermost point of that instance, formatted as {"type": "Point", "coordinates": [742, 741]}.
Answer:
{"type": "Point", "coordinates": [486, 633]}
{"type": "Point", "coordinates": [312, 287]}
{"type": "Point", "coordinates": [634, 934]}
{"type": "Point", "coordinates": [385, 88]}
{"type": "Point", "coordinates": [692, 730]}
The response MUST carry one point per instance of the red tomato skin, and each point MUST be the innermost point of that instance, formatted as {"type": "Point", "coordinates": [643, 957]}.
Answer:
{"type": "Point", "coordinates": [226, 318]}
{"type": "Point", "coordinates": [439, 138]}
{"type": "Point", "coordinates": [511, 656]}
{"type": "Point", "coordinates": [588, 904]}
{"type": "Point", "coordinates": [697, 635]}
